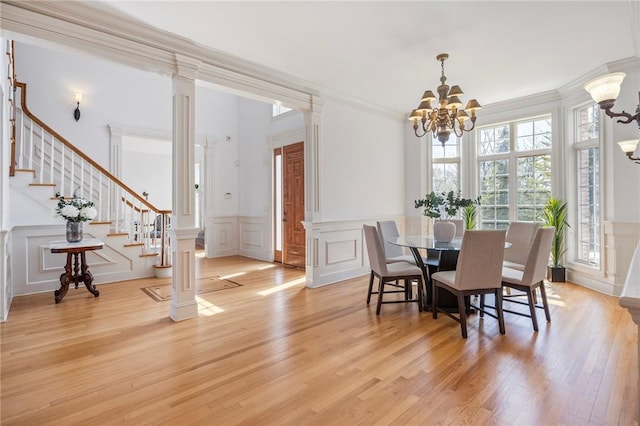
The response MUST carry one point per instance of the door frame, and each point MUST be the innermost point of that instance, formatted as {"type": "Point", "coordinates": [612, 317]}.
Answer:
{"type": "Point", "coordinates": [280, 140]}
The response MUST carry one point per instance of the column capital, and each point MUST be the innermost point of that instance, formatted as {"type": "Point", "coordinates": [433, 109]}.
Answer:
{"type": "Point", "coordinates": [187, 67]}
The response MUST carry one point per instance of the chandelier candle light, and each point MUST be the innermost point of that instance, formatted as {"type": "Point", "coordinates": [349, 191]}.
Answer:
{"type": "Point", "coordinates": [447, 117]}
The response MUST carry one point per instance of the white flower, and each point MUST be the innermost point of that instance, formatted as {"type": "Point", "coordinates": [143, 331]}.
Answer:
{"type": "Point", "coordinates": [88, 213]}
{"type": "Point", "coordinates": [69, 212]}
{"type": "Point", "coordinates": [75, 209]}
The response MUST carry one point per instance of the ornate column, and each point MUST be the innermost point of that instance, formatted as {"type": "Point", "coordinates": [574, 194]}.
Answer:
{"type": "Point", "coordinates": [183, 229]}
{"type": "Point", "coordinates": [312, 119]}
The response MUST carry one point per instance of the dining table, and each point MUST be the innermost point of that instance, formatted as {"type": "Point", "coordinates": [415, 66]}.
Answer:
{"type": "Point", "coordinates": [444, 255]}
{"type": "Point", "coordinates": [441, 256]}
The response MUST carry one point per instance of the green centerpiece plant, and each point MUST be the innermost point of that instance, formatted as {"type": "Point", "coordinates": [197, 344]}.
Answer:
{"type": "Point", "coordinates": [444, 205]}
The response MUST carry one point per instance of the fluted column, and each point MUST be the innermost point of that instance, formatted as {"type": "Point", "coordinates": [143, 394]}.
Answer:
{"type": "Point", "coordinates": [183, 229]}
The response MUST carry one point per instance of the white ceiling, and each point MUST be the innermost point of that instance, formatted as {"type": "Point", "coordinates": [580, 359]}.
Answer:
{"type": "Point", "coordinates": [384, 52]}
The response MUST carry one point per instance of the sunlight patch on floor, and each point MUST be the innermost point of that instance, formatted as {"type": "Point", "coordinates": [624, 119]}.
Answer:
{"type": "Point", "coordinates": [207, 308]}
{"type": "Point", "coordinates": [282, 287]}
{"type": "Point", "coordinates": [267, 267]}
{"type": "Point", "coordinates": [237, 274]}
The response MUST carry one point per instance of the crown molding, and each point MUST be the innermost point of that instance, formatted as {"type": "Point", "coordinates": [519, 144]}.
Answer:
{"type": "Point", "coordinates": [96, 29]}
{"type": "Point", "coordinates": [547, 97]}
{"type": "Point", "coordinates": [623, 65]}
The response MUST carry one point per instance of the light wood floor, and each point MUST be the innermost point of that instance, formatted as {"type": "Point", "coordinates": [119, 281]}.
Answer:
{"type": "Point", "coordinates": [274, 352]}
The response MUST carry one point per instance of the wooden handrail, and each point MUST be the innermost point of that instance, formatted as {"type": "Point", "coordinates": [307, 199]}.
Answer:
{"type": "Point", "coordinates": [12, 112]}
{"type": "Point", "coordinates": [25, 109]}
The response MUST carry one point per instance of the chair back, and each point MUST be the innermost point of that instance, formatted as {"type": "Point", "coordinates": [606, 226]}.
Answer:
{"type": "Point", "coordinates": [535, 268]}
{"type": "Point", "coordinates": [459, 227]}
{"type": "Point", "coordinates": [388, 229]}
{"type": "Point", "coordinates": [480, 260]}
{"type": "Point", "coordinates": [377, 260]}
{"type": "Point", "coordinates": [520, 235]}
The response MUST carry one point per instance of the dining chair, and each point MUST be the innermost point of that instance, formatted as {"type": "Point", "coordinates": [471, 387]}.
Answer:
{"type": "Point", "coordinates": [390, 273]}
{"type": "Point", "coordinates": [532, 277]}
{"type": "Point", "coordinates": [387, 230]}
{"type": "Point", "coordinates": [478, 271]}
{"type": "Point", "coordinates": [459, 227]}
{"type": "Point", "coordinates": [520, 235]}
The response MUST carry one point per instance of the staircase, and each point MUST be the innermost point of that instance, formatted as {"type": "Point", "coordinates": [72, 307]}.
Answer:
{"type": "Point", "coordinates": [44, 163]}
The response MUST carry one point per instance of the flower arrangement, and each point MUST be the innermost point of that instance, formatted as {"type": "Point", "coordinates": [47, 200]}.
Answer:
{"type": "Point", "coordinates": [75, 210]}
{"type": "Point", "coordinates": [447, 204]}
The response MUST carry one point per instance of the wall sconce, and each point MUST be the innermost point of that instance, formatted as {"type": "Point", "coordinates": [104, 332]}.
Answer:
{"type": "Point", "coordinates": [629, 147]}
{"type": "Point", "coordinates": [76, 113]}
{"type": "Point", "coordinates": [605, 90]}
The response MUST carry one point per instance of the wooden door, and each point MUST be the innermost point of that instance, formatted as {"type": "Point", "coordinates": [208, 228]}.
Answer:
{"type": "Point", "coordinates": [293, 244]}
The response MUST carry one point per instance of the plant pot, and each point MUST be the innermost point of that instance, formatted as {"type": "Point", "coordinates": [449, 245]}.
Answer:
{"type": "Point", "coordinates": [443, 230]}
{"type": "Point", "coordinates": [74, 231]}
{"type": "Point", "coordinates": [556, 273]}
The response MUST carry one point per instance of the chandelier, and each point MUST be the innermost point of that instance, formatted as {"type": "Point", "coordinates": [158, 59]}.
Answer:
{"type": "Point", "coordinates": [447, 117]}
{"type": "Point", "coordinates": [605, 90]}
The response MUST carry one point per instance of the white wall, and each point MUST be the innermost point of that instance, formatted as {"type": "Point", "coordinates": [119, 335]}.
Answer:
{"type": "Point", "coordinates": [624, 173]}
{"type": "Point", "coordinates": [361, 164]}
{"type": "Point", "coordinates": [217, 115]}
{"type": "Point", "coordinates": [112, 94]}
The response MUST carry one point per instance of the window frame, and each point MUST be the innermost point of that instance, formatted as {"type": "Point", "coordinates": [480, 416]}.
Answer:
{"type": "Point", "coordinates": [574, 148]}
{"type": "Point", "coordinates": [513, 155]}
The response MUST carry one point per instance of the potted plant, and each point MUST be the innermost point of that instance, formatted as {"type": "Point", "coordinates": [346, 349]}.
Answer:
{"type": "Point", "coordinates": [443, 205]}
{"type": "Point", "coordinates": [555, 214]}
{"type": "Point", "coordinates": [470, 214]}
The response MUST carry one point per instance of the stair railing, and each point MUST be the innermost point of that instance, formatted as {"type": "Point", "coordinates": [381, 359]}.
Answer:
{"type": "Point", "coordinates": [56, 162]}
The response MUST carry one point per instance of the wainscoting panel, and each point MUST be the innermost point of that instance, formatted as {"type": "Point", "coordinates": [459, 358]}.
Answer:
{"type": "Point", "coordinates": [221, 236]}
{"type": "Point", "coordinates": [336, 251]}
{"type": "Point", "coordinates": [6, 287]}
{"type": "Point", "coordinates": [255, 238]}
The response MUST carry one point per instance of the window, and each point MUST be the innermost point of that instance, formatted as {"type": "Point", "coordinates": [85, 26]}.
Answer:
{"type": "Point", "coordinates": [445, 165]}
{"type": "Point", "coordinates": [514, 166]}
{"type": "Point", "coordinates": [587, 152]}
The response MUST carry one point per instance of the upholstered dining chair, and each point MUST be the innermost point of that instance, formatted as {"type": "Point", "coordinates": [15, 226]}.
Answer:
{"type": "Point", "coordinates": [388, 229]}
{"type": "Point", "coordinates": [459, 227]}
{"type": "Point", "coordinates": [390, 273]}
{"type": "Point", "coordinates": [479, 271]}
{"type": "Point", "coordinates": [520, 235]}
{"type": "Point", "coordinates": [532, 276]}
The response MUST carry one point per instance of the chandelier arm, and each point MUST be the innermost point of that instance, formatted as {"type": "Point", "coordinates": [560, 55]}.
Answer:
{"type": "Point", "coordinates": [628, 117]}
{"type": "Point", "coordinates": [415, 130]}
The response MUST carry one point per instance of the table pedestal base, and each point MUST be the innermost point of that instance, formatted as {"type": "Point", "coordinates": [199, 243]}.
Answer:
{"type": "Point", "coordinates": [79, 273]}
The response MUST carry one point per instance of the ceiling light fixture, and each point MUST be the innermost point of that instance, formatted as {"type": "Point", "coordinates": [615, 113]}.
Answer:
{"type": "Point", "coordinates": [447, 117]}
{"type": "Point", "coordinates": [605, 90]}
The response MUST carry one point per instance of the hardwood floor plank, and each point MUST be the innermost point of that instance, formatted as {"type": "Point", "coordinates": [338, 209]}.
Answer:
{"type": "Point", "coordinates": [274, 352]}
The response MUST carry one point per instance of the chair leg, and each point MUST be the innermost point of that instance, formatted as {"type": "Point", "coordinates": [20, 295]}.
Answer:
{"type": "Point", "coordinates": [482, 305]}
{"type": "Point", "coordinates": [545, 304]}
{"type": "Point", "coordinates": [419, 294]}
{"type": "Point", "coordinates": [463, 315]}
{"type": "Point", "coordinates": [532, 308]}
{"type": "Point", "coordinates": [499, 312]}
{"type": "Point", "coordinates": [434, 301]}
{"type": "Point", "coordinates": [380, 291]}
{"type": "Point", "coordinates": [370, 288]}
